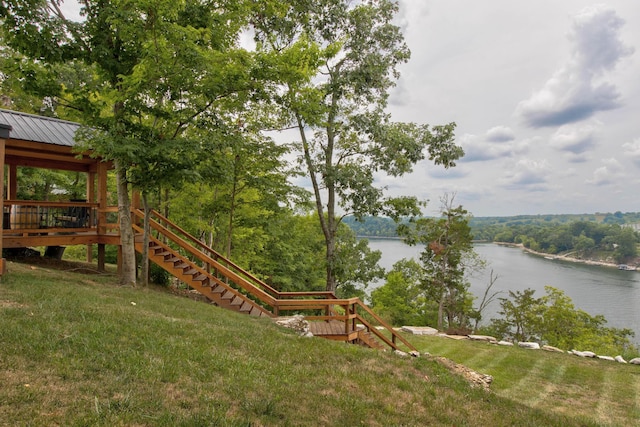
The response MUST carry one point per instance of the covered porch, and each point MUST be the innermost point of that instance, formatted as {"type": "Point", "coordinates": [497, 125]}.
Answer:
{"type": "Point", "coordinates": [30, 141]}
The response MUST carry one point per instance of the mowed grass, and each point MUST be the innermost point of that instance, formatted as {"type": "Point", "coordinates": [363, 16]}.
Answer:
{"type": "Point", "coordinates": [607, 393]}
{"type": "Point", "coordinates": [77, 349]}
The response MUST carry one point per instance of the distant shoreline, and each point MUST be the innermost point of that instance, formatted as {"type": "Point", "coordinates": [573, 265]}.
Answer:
{"type": "Point", "coordinates": [560, 257]}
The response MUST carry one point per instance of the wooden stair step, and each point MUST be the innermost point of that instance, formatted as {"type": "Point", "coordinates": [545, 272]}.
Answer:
{"type": "Point", "coordinates": [228, 296]}
{"type": "Point", "coordinates": [237, 301]}
{"type": "Point", "coordinates": [246, 307]}
{"type": "Point", "coordinates": [255, 311]}
{"type": "Point", "coordinates": [218, 290]}
{"type": "Point", "coordinates": [200, 278]}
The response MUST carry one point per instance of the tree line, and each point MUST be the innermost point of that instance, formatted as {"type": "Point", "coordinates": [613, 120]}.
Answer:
{"type": "Point", "coordinates": [580, 238]}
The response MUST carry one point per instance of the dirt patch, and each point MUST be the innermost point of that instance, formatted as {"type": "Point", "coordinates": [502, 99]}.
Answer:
{"type": "Point", "coordinates": [56, 264]}
{"type": "Point", "coordinates": [11, 304]}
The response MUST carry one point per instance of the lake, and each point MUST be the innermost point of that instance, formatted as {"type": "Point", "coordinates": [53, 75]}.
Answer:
{"type": "Point", "coordinates": [597, 290]}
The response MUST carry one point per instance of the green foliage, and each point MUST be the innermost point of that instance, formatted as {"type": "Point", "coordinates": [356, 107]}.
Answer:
{"type": "Point", "coordinates": [583, 237]}
{"type": "Point", "coordinates": [448, 253]}
{"type": "Point", "coordinates": [348, 58]}
{"type": "Point", "coordinates": [400, 301]}
{"type": "Point", "coordinates": [47, 184]}
{"type": "Point", "coordinates": [553, 319]}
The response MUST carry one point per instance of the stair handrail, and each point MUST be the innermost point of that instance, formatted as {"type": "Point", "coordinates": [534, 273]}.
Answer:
{"type": "Point", "coordinates": [211, 253]}
{"type": "Point", "coordinates": [240, 281]}
{"type": "Point", "coordinates": [279, 301]}
{"type": "Point", "coordinates": [371, 328]}
{"type": "Point", "coordinates": [185, 235]}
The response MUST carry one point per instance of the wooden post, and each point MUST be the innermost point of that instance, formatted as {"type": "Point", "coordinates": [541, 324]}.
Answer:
{"type": "Point", "coordinates": [91, 198]}
{"type": "Point", "coordinates": [5, 130]}
{"type": "Point", "coordinates": [102, 216]}
{"type": "Point", "coordinates": [12, 182]}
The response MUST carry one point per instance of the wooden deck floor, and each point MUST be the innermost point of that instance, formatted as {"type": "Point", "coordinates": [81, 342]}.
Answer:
{"type": "Point", "coordinates": [333, 327]}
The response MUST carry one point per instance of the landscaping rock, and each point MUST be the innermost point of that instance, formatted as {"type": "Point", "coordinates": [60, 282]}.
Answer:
{"type": "Point", "coordinates": [583, 353]}
{"type": "Point", "coordinates": [609, 358]}
{"type": "Point", "coordinates": [529, 345]}
{"type": "Point", "coordinates": [620, 359]}
{"type": "Point", "coordinates": [474, 378]}
{"type": "Point", "coordinates": [415, 353]}
{"type": "Point", "coordinates": [420, 330]}
{"type": "Point", "coordinates": [505, 343]}
{"type": "Point", "coordinates": [400, 353]}
{"type": "Point", "coordinates": [635, 361]}
{"type": "Point", "coordinates": [486, 338]}
{"type": "Point", "coordinates": [296, 323]}
{"type": "Point", "coordinates": [552, 349]}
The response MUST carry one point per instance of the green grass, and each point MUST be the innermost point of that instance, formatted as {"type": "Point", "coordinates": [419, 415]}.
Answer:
{"type": "Point", "coordinates": [603, 392]}
{"type": "Point", "coordinates": [76, 351]}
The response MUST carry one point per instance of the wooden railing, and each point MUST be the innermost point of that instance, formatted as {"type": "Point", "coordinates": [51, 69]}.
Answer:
{"type": "Point", "coordinates": [25, 216]}
{"type": "Point", "coordinates": [327, 307]}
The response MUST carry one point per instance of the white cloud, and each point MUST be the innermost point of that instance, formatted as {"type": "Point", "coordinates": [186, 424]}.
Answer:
{"type": "Point", "coordinates": [577, 90]}
{"type": "Point", "coordinates": [498, 143]}
{"type": "Point", "coordinates": [576, 140]}
{"type": "Point", "coordinates": [528, 175]}
{"type": "Point", "coordinates": [609, 173]}
{"type": "Point", "coordinates": [632, 151]}
{"type": "Point", "coordinates": [500, 134]}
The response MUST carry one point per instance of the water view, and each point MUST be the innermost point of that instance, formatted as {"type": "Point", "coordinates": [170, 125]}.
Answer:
{"type": "Point", "coordinates": [596, 290]}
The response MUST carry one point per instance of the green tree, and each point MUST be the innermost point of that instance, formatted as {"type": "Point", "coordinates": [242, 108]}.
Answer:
{"type": "Point", "coordinates": [627, 244]}
{"type": "Point", "coordinates": [401, 299]}
{"type": "Point", "coordinates": [521, 314]}
{"type": "Point", "coordinates": [341, 60]}
{"type": "Point", "coordinates": [447, 255]}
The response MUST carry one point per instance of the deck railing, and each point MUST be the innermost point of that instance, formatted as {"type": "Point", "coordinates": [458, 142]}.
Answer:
{"type": "Point", "coordinates": [27, 216]}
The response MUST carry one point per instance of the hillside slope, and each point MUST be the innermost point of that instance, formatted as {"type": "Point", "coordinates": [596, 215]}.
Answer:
{"type": "Point", "coordinates": [79, 350]}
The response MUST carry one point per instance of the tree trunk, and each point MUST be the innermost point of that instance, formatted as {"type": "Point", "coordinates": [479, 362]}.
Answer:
{"type": "Point", "coordinates": [128, 267]}
{"type": "Point", "coordinates": [146, 239]}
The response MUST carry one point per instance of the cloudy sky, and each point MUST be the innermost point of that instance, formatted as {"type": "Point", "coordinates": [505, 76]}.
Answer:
{"type": "Point", "coordinates": [546, 97]}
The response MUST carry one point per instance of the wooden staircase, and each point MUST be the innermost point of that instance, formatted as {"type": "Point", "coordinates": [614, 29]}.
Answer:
{"type": "Point", "coordinates": [229, 286]}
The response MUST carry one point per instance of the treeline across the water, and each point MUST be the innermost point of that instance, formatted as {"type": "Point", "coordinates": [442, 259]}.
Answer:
{"type": "Point", "coordinates": [605, 235]}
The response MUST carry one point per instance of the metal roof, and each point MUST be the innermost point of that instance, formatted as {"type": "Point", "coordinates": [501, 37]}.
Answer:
{"type": "Point", "coordinates": [30, 127]}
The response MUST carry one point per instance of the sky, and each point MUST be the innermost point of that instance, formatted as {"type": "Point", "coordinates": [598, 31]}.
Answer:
{"type": "Point", "coordinates": [545, 95]}
{"type": "Point", "coordinates": [546, 98]}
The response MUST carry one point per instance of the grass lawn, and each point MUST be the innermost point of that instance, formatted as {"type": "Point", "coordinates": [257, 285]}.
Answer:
{"type": "Point", "coordinates": [76, 349]}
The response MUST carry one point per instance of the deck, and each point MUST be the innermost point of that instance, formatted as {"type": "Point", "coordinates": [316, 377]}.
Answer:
{"type": "Point", "coordinates": [334, 330]}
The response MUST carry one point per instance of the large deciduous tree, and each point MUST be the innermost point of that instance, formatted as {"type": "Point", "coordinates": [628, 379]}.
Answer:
{"type": "Point", "coordinates": [340, 59]}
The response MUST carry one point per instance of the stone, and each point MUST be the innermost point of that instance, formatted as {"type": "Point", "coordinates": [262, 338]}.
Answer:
{"type": "Point", "coordinates": [474, 378]}
{"type": "Point", "coordinates": [552, 349]}
{"type": "Point", "coordinates": [415, 353]}
{"type": "Point", "coordinates": [609, 358]}
{"type": "Point", "coordinates": [486, 338]}
{"type": "Point", "coordinates": [583, 353]}
{"type": "Point", "coordinates": [620, 359]}
{"type": "Point", "coordinates": [419, 330]}
{"type": "Point", "coordinates": [529, 345]}
{"type": "Point", "coordinates": [635, 361]}
{"type": "Point", "coordinates": [505, 343]}
{"type": "Point", "coordinates": [400, 353]}
{"type": "Point", "coordinates": [296, 323]}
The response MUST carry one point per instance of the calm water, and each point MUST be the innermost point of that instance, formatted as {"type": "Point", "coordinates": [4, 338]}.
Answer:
{"type": "Point", "coordinates": [596, 290]}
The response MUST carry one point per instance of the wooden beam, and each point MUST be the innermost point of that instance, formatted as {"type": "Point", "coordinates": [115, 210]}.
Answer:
{"type": "Point", "coordinates": [5, 130]}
